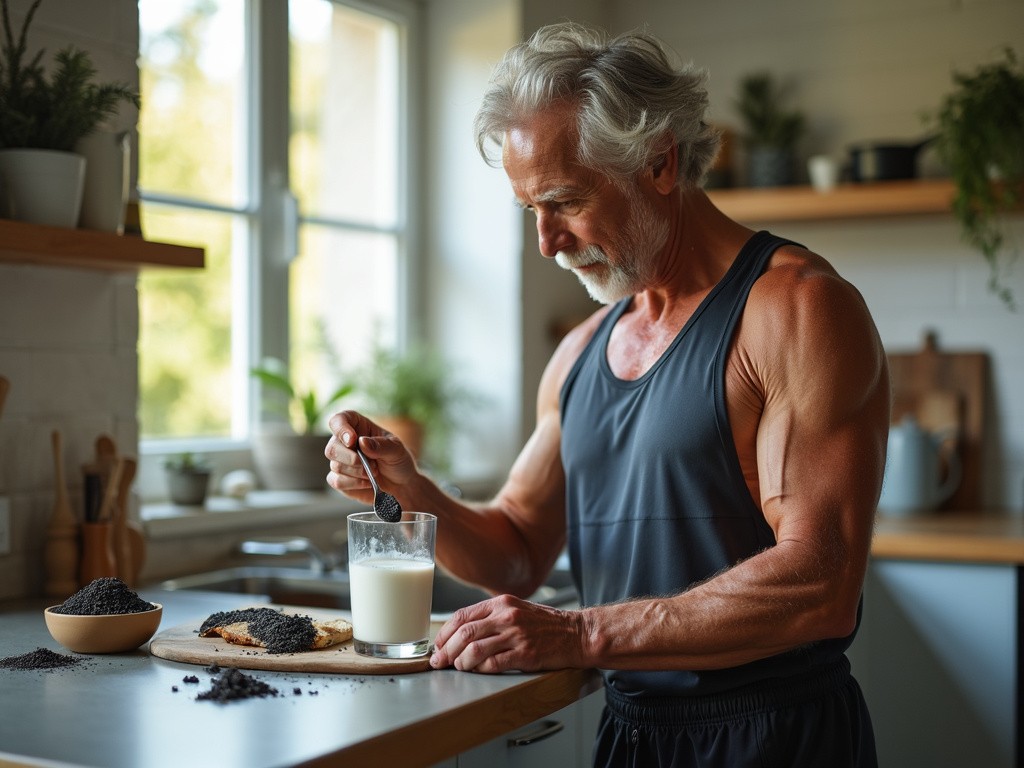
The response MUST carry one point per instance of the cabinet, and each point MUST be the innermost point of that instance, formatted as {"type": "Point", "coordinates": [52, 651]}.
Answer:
{"type": "Point", "coordinates": [82, 248]}
{"type": "Point", "coordinates": [563, 739]}
{"type": "Point", "coordinates": [938, 658]}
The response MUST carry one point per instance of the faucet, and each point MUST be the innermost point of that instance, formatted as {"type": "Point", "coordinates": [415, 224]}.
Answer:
{"type": "Point", "coordinates": [290, 545]}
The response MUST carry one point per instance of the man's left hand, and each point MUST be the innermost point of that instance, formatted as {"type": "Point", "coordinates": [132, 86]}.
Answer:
{"type": "Point", "coordinates": [507, 633]}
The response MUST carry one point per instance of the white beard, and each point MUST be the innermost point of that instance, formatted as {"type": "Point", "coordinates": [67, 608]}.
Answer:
{"type": "Point", "coordinates": [642, 238]}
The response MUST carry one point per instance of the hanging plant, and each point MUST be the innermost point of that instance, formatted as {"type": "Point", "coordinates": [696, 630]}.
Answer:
{"type": "Point", "coordinates": [981, 140]}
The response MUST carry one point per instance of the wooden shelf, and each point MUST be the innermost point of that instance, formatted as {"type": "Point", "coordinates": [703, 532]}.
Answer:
{"type": "Point", "coordinates": [57, 246]}
{"type": "Point", "coordinates": [847, 201]}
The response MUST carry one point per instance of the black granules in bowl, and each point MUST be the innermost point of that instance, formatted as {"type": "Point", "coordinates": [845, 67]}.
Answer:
{"type": "Point", "coordinates": [40, 658]}
{"type": "Point", "coordinates": [279, 632]}
{"type": "Point", "coordinates": [102, 597]}
{"type": "Point", "coordinates": [233, 684]}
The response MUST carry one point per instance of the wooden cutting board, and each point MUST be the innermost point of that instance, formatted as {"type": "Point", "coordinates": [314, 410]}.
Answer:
{"type": "Point", "coordinates": [947, 392]}
{"type": "Point", "coordinates": [182, 643]}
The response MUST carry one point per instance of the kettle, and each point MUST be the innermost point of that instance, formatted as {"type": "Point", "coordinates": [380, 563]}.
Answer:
{"type": "Point", "coordinates": [913, 466]}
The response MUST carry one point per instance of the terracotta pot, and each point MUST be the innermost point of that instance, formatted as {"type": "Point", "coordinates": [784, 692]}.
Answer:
{"type": "Point", "coordinates": [409, 431]}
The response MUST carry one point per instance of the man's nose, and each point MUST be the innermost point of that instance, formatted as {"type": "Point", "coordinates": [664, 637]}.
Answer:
{"type": "Point", "coordinates": [552, 236]}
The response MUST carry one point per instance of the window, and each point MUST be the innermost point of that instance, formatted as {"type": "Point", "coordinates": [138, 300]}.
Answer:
{"type": "Point", "coordinates": [296, 186]}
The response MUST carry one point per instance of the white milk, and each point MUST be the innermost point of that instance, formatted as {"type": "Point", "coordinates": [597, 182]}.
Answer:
{"type": "Point", "coordinates": [391, 599]}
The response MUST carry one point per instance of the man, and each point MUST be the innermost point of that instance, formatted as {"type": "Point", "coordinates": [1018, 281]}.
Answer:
{"type": "Point", "coordinates": [709, 446]}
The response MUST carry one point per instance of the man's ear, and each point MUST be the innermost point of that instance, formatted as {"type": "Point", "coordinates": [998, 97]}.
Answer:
{"type": "Point", "coordinates": [665, 169]}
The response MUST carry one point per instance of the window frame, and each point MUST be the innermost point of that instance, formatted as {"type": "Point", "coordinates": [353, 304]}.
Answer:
{"type": "Point", "coordinates": [260, 324]}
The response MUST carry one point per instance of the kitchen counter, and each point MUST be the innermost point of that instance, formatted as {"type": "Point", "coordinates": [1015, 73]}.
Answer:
{"type": "Point", "coordinates": [965, 537]}
{"type": "Point", "coordinates": [121, 710]}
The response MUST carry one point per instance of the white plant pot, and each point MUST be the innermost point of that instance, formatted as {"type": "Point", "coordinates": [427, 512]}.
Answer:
{"type": "Point", "coordinates": [42, 186]}
{"type": "Point", "coordinates": [287, 461]}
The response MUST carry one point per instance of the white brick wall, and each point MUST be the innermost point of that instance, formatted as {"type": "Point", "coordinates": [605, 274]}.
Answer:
{"type": "Point", "coordinates": [67, 336]}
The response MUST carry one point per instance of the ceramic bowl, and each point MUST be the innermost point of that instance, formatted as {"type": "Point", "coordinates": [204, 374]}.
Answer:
{"type": "Point", "coordinates": [110, 633]}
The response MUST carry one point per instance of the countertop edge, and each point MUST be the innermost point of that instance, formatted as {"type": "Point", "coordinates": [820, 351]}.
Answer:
{"type": "Point", "coordinates": [463, 728]}
{"type": "Point", "coordinates": [969, 537]}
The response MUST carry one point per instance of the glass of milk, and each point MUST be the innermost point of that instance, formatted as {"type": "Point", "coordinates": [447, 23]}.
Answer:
{"type": "Point", "coordinates": [391, 574]}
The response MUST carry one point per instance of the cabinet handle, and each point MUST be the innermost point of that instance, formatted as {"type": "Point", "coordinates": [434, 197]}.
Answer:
{"type": "Point", "coordinates": [545, 730]}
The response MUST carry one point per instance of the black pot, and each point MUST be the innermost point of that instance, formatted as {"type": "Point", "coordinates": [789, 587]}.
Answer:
{"type": "Point", "coordinates": [877, 161]}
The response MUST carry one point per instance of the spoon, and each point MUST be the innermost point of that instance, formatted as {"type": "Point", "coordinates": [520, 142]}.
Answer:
{"type": "Point", "coordinates": [384, 504]}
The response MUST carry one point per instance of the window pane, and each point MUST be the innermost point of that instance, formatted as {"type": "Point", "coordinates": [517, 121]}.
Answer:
{"type": "Point", "coordinates": [344, 154]}
{"type": "Point", "coordinates": [185, 329]}
{"type": "Point", "coordinates": [343, 292]}
{"type": "Point", "coordinates": [190, 125]}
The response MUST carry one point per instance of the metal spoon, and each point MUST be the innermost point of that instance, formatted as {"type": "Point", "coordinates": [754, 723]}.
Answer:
{"type": "Point", "coordinates": [384, 504]}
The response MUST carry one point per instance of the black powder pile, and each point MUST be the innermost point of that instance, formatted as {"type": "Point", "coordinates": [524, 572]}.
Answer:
{"type": "Point", "coordinates": [40, 658]}
{"type": "Point", "coordinates": [233, 684]}
{"type": "Point", "coordinates": [280, 633]}
{"type": "Point", "coordinates": [102, 597]}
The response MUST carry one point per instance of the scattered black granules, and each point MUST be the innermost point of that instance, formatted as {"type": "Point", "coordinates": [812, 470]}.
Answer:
{"type": "Point", "coordinates": [102, 597]}
{"type": "Point", "coordinates": [40, 658]}
{"type": "Point", "coordinates": [279, 632]}
{"type": "Point", "coordinates": [232, 684]}
{"type": "Point", "coordinates": [190, 679]}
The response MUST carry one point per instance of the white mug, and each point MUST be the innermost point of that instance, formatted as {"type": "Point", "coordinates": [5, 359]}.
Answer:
{"type": "Point", "coordinates": [824, 172]}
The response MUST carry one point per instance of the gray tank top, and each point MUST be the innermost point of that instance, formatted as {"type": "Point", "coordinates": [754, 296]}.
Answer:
{"type": "Point", "coordinates": [655, 497]}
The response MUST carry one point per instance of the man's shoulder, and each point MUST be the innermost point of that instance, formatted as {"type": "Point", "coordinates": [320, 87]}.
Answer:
{"type": "Point", "coordinates": [800, 286]}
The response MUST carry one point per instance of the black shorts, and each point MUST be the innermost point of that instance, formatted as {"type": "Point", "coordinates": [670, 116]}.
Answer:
{"type": "Point", "coordinates": [815, 720]}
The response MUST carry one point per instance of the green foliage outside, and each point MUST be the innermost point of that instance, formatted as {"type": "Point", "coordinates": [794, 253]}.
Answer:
{"type": "Point", "coordinates": [185, 315]}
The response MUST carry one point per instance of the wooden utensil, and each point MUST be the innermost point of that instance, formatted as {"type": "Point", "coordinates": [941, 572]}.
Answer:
{"type": "Point", "coordinates": [60, 553]}
{"type": "Point", "coordinates": [110, 491]}
{"type": "Point", "coordinates": [122, 547]}
{"type": "Point", "coordinates": [5, 387]}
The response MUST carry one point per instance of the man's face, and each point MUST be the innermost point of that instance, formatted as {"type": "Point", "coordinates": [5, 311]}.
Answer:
{"type": "Point", "coordinates": [608, 234]}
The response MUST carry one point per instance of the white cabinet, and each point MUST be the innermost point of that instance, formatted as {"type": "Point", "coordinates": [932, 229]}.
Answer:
{"type": "Point", "coordinates": [563, 739]}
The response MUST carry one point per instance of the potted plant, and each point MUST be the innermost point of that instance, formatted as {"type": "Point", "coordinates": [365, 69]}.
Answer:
{"type": "Point", "coordinates": [771, 131]}
{"type": "Point", "coordinates": [981, 140]}
{"type": "Point", "coordinates": [188, 478]}
{"type": "Point", "coordinates": [43, 120]}
{"type": "Point", "coordinates": [290, 454]}
{"type": "Point", "coordinates": [414, 396]}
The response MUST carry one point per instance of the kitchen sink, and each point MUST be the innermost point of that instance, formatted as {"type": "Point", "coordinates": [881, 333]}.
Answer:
{"type": "Point", "coordinates": [306, 587]}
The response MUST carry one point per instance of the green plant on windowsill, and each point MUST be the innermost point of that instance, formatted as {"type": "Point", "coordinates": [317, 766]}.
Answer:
{"type": "Point", "coordinates": [50, 113]}
{"type": "Point", "coordinates": [414, 395]}
{"type": "Point", "coordinates": [303, 408]}
{"type": "Point", "coordinates": [188, 478]}
{"type": "Point", "coordinates": [186, 463]}
{"type": "Point", "coordinates": [293, 459]}
{"type": "Point", "coordinates": [981, 140]}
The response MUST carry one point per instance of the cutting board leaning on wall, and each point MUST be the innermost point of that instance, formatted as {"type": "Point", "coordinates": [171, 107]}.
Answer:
{"type": "Point", "coordinates": [947, 392]}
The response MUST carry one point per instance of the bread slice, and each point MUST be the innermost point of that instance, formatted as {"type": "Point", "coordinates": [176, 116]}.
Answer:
{"type": "Point", "coordinates": [276, 631]}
